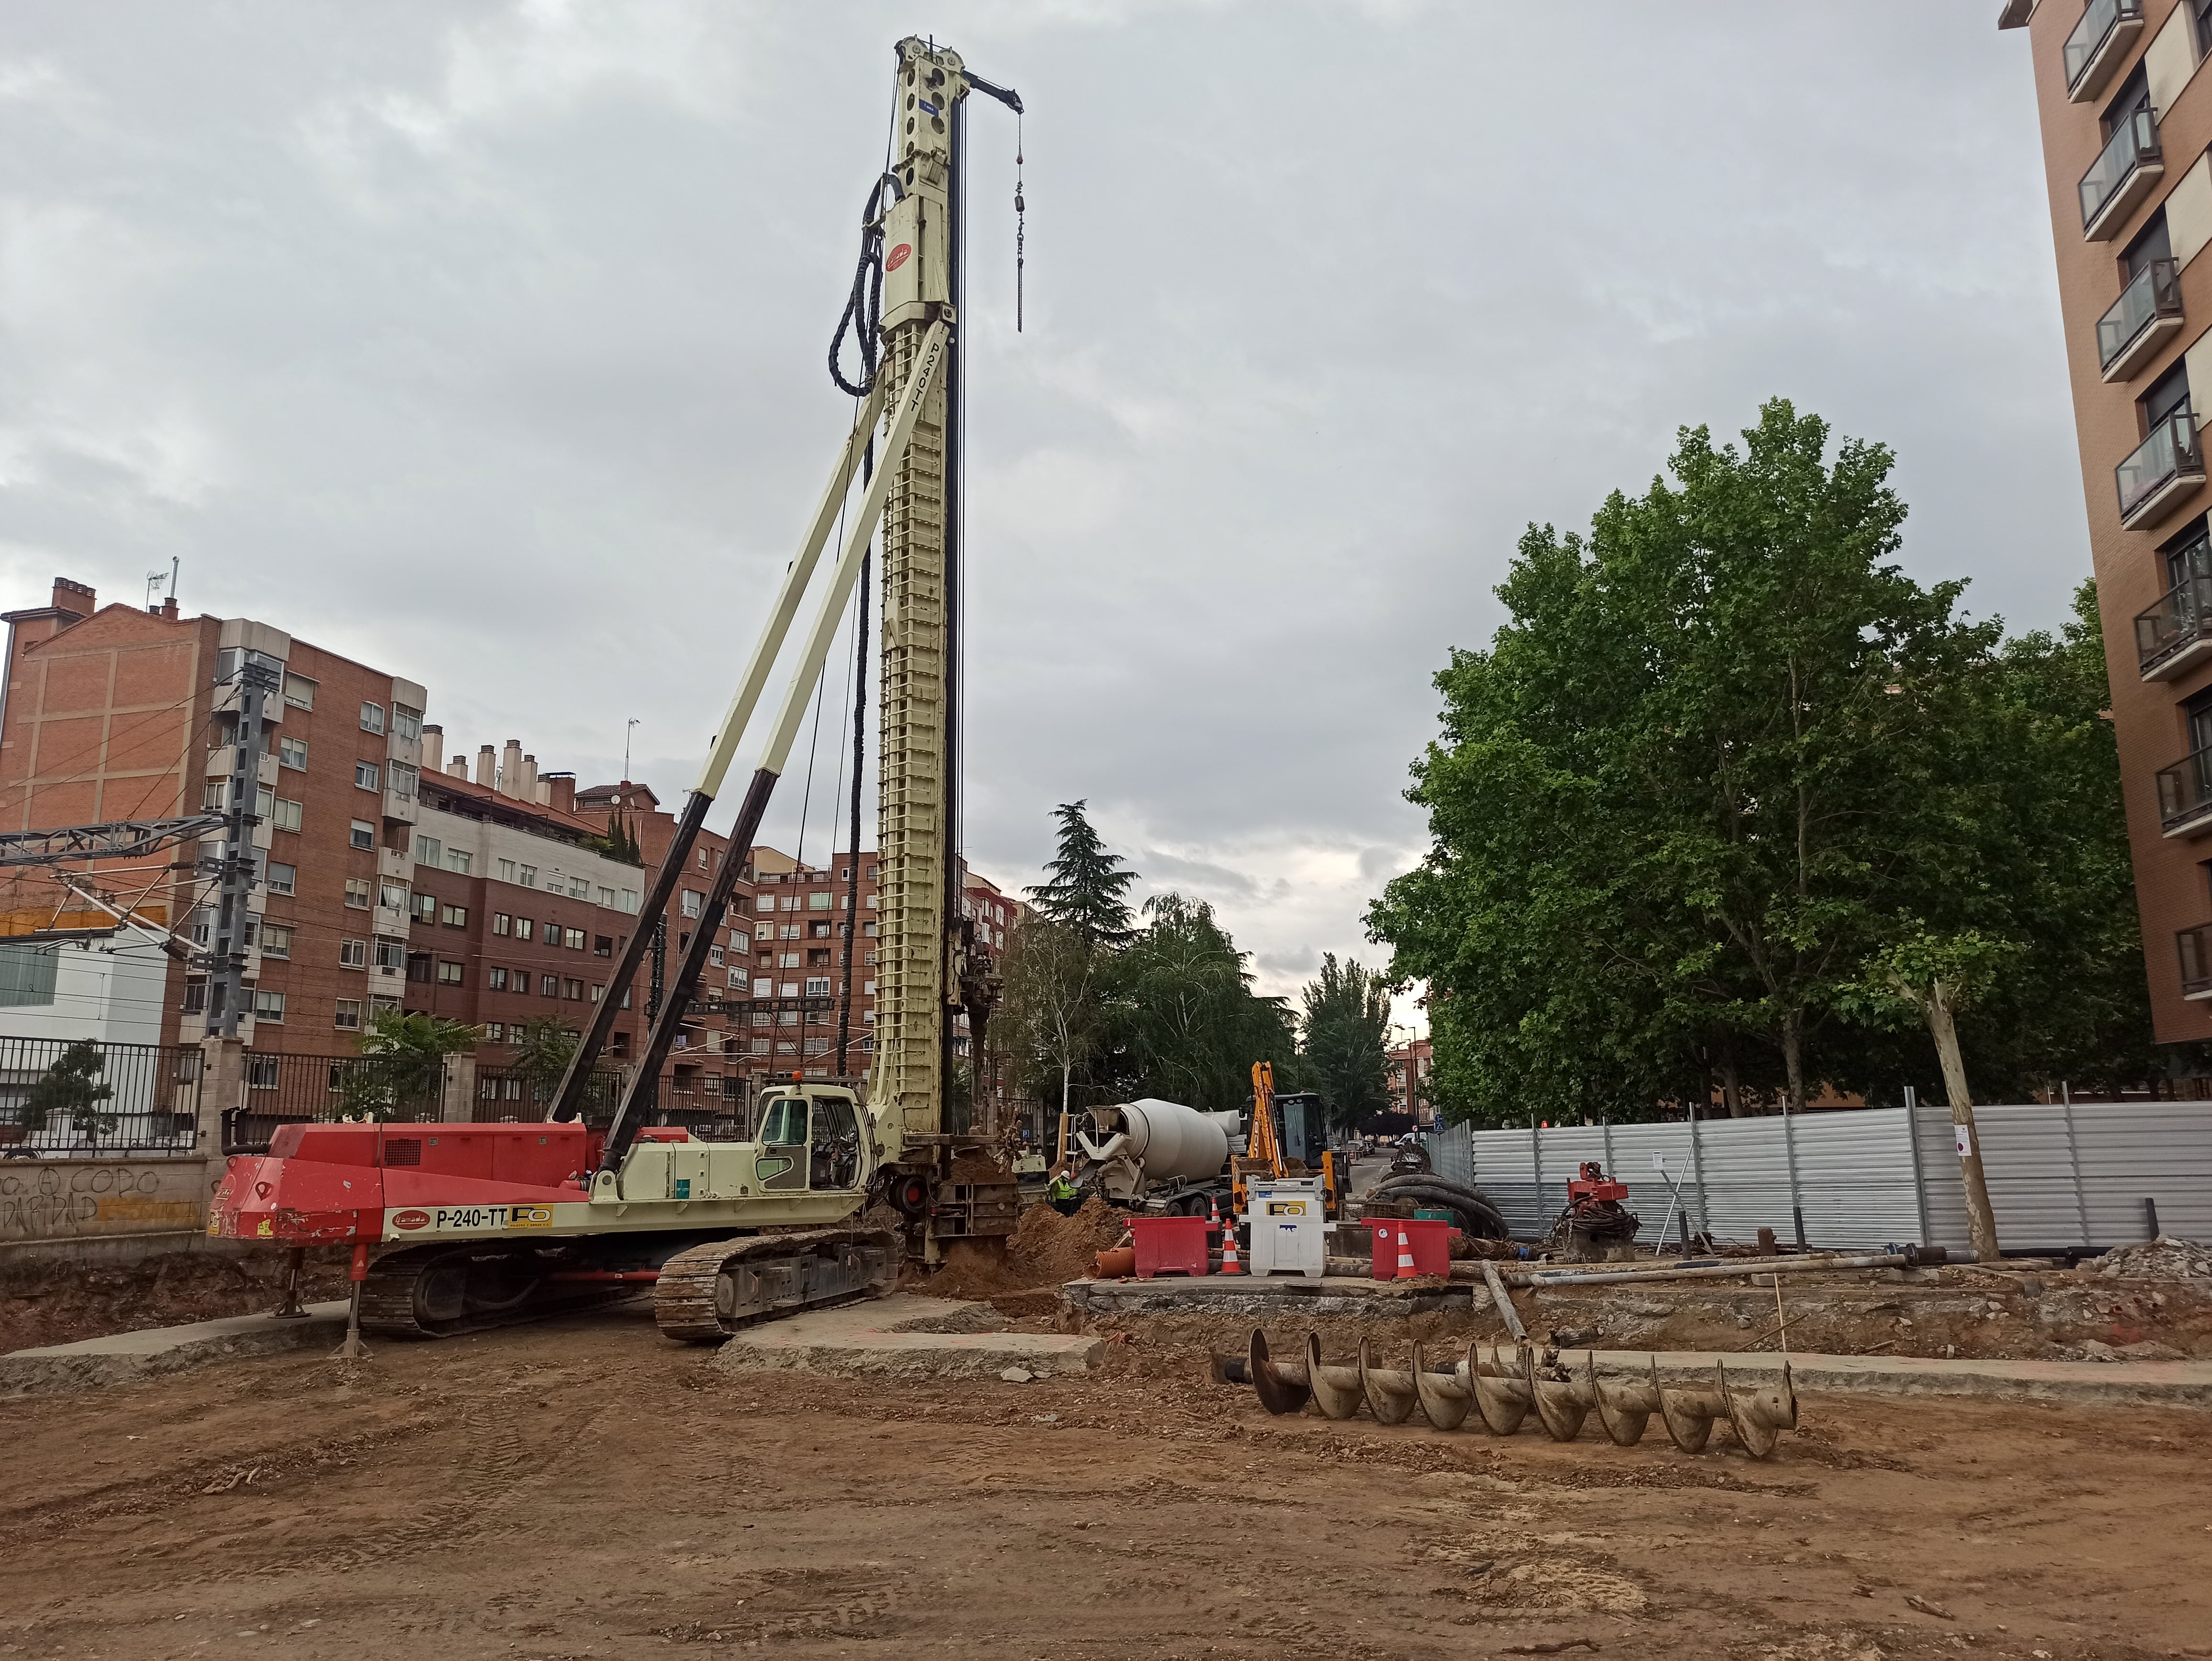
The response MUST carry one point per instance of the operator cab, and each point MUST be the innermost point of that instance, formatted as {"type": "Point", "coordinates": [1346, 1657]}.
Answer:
{"type": "Point", "coordinates": [810, 1139]}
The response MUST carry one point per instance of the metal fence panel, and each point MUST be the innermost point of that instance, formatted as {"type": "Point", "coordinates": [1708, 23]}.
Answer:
{"type": "Point", "coordinates": [1855, 1179]}
{"type": "Point", "coordinates": [64, 1098]}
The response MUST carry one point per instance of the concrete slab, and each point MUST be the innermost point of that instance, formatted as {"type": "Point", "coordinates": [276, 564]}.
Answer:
{"type": "Point", "coordinates": [1268, 1297]}
{"type": "Point", "coordinates": [124, 1357]}
{"type": "Point", "coordinates": [906, 1336]}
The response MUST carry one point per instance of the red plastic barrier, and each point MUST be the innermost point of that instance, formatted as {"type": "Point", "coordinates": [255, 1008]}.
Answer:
{"type": "Point", "coordinates": [1432, 1243]}
{"type": "Point", "coordinates": [1169, 1245]}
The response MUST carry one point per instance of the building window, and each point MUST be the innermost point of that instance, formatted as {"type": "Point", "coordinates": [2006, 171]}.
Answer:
{"type": "Point", "coordinates": [598, 991]}
{"type": "Point", "coordinates": [372, 718]}
{"type": "Point", "coordinates": [299, 691]}
{"type": "Point", "coordinates": [269, 1007]}
{"type": "Point", "coordinates": [737, 980]}
{"type": "Point", "coordinates": [524, 929]}
{"type": "Point", "coordinates": [356, 892]}
{"type": "Point", "coordinates": [501, 923]}
{"type": "Point", "coordinates": [740, 941]}
{"type": "Point", "coordinates": [449, 973]}
{"type": "Point", "coordinates": [572, 939]}
{"type": "Point", "coordinates": [765, 904]}
{"type": "Point", "coordinates": [495, 1032]}
{"type": "Point", "coordinates": [787, 960]}
{"type": "Point", "coordinates": [405, 778]}
{"type": "Point", "coordinates": [426, 907]}
{"type": "Point", "coordinates": [386, 1006]}
{"type": "Point", "coordinates": [362, 835]}
{"type": "Point", "coordinates": [276, 940]}
{"type": "Point", "coordinates": [604, 896]}
{"type": "Point", "coordinates": [868, 928]}
{"type": "Point", "coordinates": [391, 954]}
{"type": "Point", "coordinates": [495, 979]}
{"type": "Point", "coordinates": [196, 997]}
{"type": "Point", "coordinates": [457, 916]}
{"type": "Point", "coordinates": [406, 723]}
{"type": "Point", "coordinates": [348, 1014]}
{"type": "Point", "coordinates": [714, 956]}
{"type": "Point", "coordinates": [282, 878]}
{"type": "Point", "coordinates": [529, 876]}
{"type": "Point", "coordinates": [428, 850]}
{"type": "Point", "coordinates": [459, 860]}
{"type": "Point", "coordinates": [819, 901]}
{"type": "Point", "coordinates": [694, 902]}
{"type": "Point", "coordinates": [365, 777]}
{"type": "Point", "coordinates": [286, 816]}
{"type": "Point", "coordinates": [549, 986]}
{"type": "Point", "coordinates": [292, 753]}
{"type": "Point", "coordinates": [573, 990]}
{"type": "Point", "coordinates": [353, 954]}
{"type": "Point", "coordinates": [626, 900]}
{"type": "Point", "coordinates": [506, 869]}
{"type": "Point", "coordinates": [392, 895]}
{"type": "Point", "coordinates": [817, 986]}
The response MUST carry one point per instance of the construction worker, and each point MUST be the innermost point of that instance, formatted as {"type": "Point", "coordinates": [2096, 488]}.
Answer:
{"type": "Point", "coordinates": [1061, 1193]}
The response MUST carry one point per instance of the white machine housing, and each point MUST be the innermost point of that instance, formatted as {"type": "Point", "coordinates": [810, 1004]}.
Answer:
{"type": "Point", "coordinates": [1289, 1225]}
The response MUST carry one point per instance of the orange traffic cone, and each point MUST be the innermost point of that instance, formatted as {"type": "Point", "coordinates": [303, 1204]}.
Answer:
{"type": "Point", "coordinates": [1229, 1262]}
{"type": "Point", "coordinates": [1406, 1269]}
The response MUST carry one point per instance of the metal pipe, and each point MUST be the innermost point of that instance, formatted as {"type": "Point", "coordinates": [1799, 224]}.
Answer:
{"type": "Point", "coordinates": [1715, 1272]}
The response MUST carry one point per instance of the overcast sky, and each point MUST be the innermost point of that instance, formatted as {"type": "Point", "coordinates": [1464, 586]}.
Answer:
{"type": "Point", "coordinates": [485, 342]}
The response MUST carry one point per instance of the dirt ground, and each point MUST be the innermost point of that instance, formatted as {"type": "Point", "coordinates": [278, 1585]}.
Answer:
{"type": "Point", "coordinates": [58, 1302]}
{"type": "Point", "coordinates": [587, 1489]}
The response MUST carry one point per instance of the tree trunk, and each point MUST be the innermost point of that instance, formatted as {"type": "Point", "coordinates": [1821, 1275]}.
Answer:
{"type": "Point", "coordinates": [1731, 1087]}
{"type": "Point", "coordinates": [1065, 1068]}
{"type": "Point", "coordinates": [1793, 1057]}
{"type": "Point", "coordinates": [1981, 1220]}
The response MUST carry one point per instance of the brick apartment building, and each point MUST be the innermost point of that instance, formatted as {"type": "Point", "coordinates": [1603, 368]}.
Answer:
{"type": "Point", "coordinates": [2126, 116]}
{"type": "Point", "coordinates": [395, 878]}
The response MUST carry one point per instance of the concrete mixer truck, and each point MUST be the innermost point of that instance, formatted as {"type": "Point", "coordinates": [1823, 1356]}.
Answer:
{"type": "Point", "coordinates": [1160, 1157]}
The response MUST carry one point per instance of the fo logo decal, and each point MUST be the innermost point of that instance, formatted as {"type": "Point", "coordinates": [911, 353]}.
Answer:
{"type": "Point", "coordinates": [411, 1220]}
{"type": "Point", "coordinates": [898, 256]}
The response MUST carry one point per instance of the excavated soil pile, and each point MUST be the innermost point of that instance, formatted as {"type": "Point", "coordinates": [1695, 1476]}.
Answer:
{"type": "Point", "coordinates": [2163, 1259]}
{"type": "Point", "coordinates": [1045, 1250]}
{"type": "Point", "coordinates": [58, 1302]}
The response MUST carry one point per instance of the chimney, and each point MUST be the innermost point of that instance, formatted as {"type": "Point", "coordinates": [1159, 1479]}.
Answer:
{"type": "Point", "coordinates": [458, 767]}
{"type": "Point", "coordinates": [434, 749]}
{"type": "Point", "coordinates": [73, 597]}
{"type": "Point", "coordinates": [527, 788]}
{"type": "Point", "coordinates": [544, 793]}
{"type": "Point", "coordinates": [487, 764]}
{"type": "Point", "coordinates": [169, 608]}
{"type": "Point", "coordinates": [563, 799]}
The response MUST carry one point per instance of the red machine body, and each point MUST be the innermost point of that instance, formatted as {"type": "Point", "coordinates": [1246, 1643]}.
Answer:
{"type": "Point", "coordinates": [1592, 1188]}
{"type": "Point", "coordinates": [326, 1182]}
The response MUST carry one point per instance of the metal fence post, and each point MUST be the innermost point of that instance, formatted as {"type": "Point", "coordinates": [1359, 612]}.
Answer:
{"type": "Point", "coordinates": [1912, 1142]}
{"type": "Point", "coordinates": [1789, 1156]}
{"type": "Point", "coordinates": [1605, 1125]}
{"type": "Point", "coordinates": [1536, 1157]}
{"type": "Point", "coordinates": [1698, 1172]}
{"type": "Point", "coordinates": [2074, 1157]}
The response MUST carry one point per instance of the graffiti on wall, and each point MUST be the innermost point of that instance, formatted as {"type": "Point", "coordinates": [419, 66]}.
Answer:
{"type": "Point", "coordinates": [70, 1198]}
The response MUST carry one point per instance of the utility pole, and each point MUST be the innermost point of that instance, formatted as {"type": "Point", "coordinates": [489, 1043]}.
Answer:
{"type": "Point", "coordinates": [255, 677]}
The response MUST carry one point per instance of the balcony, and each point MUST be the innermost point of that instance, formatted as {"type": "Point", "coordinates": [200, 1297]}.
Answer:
{"type": "Point", "coordinates": [2165, 468]}
{"type": "Point", "coordinates": [2175, 634]}
{"type": "Point", "coordinates": [395, 865]}
{"type": "Point", "coordinates": [2147, 313]}
{"type": "Point", "coordinates": [2196, 947]}
{"type": "Point", "coordinates": [2122, 176]}
{"type": "Point", "coordinates": [2184, 795]}
{"type": "Point", "coordinates": [404, 809]}
{"type": "Point", "coordinates": [2099, 45]}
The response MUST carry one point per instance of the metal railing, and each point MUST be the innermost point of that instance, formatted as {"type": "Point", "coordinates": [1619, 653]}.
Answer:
{"type": "Point", "coordinates": [2171, 454]}
{"type": "Point", "coordinates": [281, 1090]}
{"type": "Point", "coordinates": [506, 1097]}
{"type": "Point", "coordinates": [2090, 34]}
{"type": "Point", "coordinates": [2195, 946]}
{"type": "Point", "coordinates": [2185, 790]}
{"type": "Point", "coordinates": [2182, 616]}
{"type": "Point", "coordinates": [76, 1099]}
{"type": "Point", "coordinates": [2133, 145]}
{"type": "Point", "coordinates": [2154, 294]}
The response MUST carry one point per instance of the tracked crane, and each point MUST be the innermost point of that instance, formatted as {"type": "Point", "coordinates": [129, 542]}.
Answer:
{"type": "Point", "coordinates": [487, 1224]}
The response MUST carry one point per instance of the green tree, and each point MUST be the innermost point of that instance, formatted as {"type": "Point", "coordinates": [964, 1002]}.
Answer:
{"type": "Point", "coordinates": [406, 1062]}
{"type": "Point", "coordinates": [544, 1046]}
{"type": "Point", "coordinates": [70, 1090]}
{"type": "Point", "coordinates": [1717, 756]}
{"type": "Point", "coordinates": [1343, 1039]}
{"type": "Point", "coordinates": [1087, 887]}
{"type": "Point", "coordinates": [1052, 1010]}
{"type": "Point", "coordinates": [1187, 1025]}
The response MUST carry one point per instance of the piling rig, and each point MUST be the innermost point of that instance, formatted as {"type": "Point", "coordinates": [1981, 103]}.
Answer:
{"type": "Point", "coordinates": [488, 1224]}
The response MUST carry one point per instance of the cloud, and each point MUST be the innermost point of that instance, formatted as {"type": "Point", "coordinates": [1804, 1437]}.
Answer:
{"type": "Point", "coordinates": [484, 341]}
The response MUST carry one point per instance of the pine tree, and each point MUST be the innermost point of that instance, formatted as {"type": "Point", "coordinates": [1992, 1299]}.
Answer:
{"type": "Point", "coordinates": [1086, 884]}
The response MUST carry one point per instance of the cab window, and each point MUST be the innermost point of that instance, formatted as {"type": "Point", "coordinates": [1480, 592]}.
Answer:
{"type": "Point", "coordinates": [786, 1123]}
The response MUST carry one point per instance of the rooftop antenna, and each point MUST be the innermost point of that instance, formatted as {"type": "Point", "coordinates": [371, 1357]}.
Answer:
{"type": "Point", "coordinates": [630, 727]}
{"type": "Point", "coordinates": [153, 587]}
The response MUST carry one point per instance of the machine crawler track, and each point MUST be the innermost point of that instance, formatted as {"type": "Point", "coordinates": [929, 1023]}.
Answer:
{"type": "Point", "coordinates": [443, 1291]}
{"type": "Point", "coordinates": [707, 1292]}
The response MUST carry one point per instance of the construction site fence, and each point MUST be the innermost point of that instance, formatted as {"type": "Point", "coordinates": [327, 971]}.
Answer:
{"type": "Point", "coordinates": [2061, 1176]}
{"type": "Point", "coordinates": [83, 1098]}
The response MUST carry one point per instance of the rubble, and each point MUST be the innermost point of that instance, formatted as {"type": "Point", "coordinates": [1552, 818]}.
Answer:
{"type": "Point", "coordinates": [2163, 1259]}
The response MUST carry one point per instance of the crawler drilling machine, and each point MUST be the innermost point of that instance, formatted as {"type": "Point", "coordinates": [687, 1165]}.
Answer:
{"type": "Point", "coordinates": [484, 1224]}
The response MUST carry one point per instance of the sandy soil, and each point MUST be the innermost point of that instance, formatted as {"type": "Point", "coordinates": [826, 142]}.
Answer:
{"type": "Point", "coordinates": [56, 1303]}
{"type": "Point", "coordinates": [586, 1489]}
